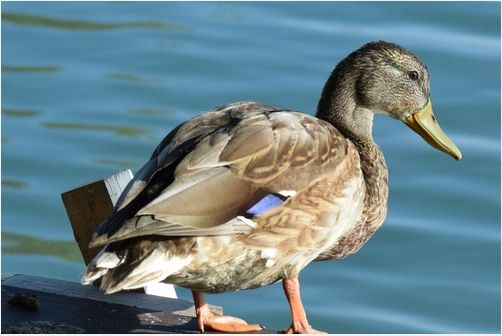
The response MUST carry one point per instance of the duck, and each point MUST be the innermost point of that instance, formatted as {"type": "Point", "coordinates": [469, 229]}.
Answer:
{"type": "Point", "coordinates": [246, 195]}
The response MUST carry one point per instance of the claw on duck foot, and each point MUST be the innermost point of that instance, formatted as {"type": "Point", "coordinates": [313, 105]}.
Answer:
{"type": "Point", "coordinates": [300, 328]}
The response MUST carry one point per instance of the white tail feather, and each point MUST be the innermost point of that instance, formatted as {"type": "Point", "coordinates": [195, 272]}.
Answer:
{"type": "Point", "coordinates": [154, 268]}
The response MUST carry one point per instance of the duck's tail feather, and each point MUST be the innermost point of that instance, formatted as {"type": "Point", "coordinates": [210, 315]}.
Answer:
{"type": "Point", "coordinates": [108, 258]}
{"type": "Point", "coordinates": [136, 266]}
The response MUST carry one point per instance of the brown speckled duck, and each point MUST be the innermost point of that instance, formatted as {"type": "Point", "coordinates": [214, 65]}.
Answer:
{"type": "Point", "coordinates": [246, 194]}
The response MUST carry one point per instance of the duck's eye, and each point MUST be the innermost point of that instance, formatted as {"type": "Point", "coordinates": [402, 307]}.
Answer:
{"type": "Point", "coordinates": [413, 75]}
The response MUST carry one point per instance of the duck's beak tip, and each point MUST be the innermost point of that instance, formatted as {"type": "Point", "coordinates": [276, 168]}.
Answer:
{"type": "Point", "coordinates": [426, 125]}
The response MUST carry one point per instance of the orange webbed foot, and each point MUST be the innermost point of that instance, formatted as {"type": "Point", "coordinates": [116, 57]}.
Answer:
{"type": "Point", "coordinates": [207, 321]}
{"type": "Point", "coordinates": [228, 324]}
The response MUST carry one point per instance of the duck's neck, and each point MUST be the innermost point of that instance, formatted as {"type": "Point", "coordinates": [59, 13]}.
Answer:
{"type": "Point", "coordinates": [338, 105]}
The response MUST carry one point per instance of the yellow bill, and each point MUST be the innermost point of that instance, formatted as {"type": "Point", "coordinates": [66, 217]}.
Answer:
{"type": "Point", "coordinates": [425, 124]}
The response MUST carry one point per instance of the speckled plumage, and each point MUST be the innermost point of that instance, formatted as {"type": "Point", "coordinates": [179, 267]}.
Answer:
{"type": "Point", "coordinates": [183, 218]}
{"type": "Point", "coordinates": [295, 152]}
{"type": "Point", "coordinates": [375, 203]}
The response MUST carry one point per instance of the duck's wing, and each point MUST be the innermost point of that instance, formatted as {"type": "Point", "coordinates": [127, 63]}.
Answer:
{"type": "Point", "coordinates": [215, 167]}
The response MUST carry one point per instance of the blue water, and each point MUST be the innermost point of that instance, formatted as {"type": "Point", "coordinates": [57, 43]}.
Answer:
{"type": "Point", "coordinates": [89, 89]}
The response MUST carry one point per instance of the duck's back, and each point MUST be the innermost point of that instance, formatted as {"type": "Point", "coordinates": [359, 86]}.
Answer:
{"type": "Point", "coordinates": [236, 148]}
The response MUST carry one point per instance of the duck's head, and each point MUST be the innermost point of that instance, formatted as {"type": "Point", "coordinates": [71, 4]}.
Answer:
{"type": "Point", "coordinates": [382, 77]}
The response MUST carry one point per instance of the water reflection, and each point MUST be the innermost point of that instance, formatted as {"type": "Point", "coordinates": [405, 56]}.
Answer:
{"type": "Point", "coordinates": [135, 79]}
{"type": "Point", "coordinates": [14, 184]}
{"type": "Point", "coordinates": [121, 164]}
{"type": "Point", "coordinates": [31, 68]}
{"type": "Point", "coordinates": [37, 20]}
{"type": "Point", "coordinates": [23, 244]}
{"type": "Point", "coordinates": [127, 131]}
{"type": "Point", "coordinates": [124, 77]}
{"type": "Point", "coordinates": [19, 113]}
{"type": "Point", "coordinates": [150, 111]}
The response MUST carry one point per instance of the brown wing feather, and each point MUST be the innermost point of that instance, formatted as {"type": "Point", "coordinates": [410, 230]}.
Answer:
{"type": "Point", "coordinates": [243, 149]}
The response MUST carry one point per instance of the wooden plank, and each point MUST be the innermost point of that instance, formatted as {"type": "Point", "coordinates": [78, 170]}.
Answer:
{"type": "Point", "coordinates": [65, 314]}
{"type": "Point", "coordinates": [68, 307]}
{"type": "Point", "coordinates": [89, 205]}
{"type": "Point", "coordinates": [127, 298]}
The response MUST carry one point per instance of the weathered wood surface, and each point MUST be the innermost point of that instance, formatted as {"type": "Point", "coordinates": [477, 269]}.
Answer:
{"type": "Point", "coordinates": [84, 309]}
{"type": "Point", "coordinates": [128, 298]}
{"type": "Point", "coordinates": [67, 307]}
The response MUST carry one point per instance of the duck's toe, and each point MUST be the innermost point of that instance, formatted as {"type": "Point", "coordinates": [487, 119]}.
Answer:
{"type": "Point", "coordinates": [207, 321]}
{"type": "Point", "coordinates": [301, 328]}
{"type": "Point", "coordinates": [229, 324]}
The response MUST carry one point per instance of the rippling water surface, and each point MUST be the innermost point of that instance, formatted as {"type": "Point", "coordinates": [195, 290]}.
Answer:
{"type": "Point", "coordinates": [89, 89]}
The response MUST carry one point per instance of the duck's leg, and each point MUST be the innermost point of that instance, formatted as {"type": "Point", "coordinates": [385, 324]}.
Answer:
{"type": "Point", "coordinates": [207, 321]}
{"type": "Point", "coordinates": [299, 323]}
